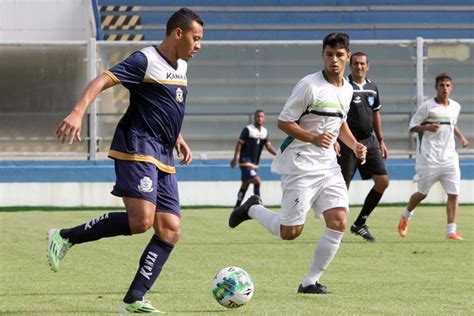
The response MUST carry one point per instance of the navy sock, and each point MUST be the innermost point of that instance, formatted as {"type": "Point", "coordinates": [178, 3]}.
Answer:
{"type": "Point", "coordinates": [151, 263]}
{"type": "Point", "coordinates": [256, 189]}
{"type": "Point", "coordinates": [371, 201]}
{"type": "Point", "coordinates": [240, 197]}
{"type": "Point", "coordinates": [106, 225]}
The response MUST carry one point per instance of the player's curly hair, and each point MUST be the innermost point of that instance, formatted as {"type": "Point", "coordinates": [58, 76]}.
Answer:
{"type": "Point", "coordinates": [337, 40]}
{"type": "Point", "coordinates": [183, 18]}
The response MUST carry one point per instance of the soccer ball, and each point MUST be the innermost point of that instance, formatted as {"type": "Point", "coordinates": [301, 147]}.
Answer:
{"type": "Point", "coordinates": [232, 287]}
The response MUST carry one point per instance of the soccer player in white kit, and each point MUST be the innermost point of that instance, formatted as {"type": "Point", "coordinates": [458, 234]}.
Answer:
{"type": "Point", "coordinates": [313, 117]}
{"type": "Point", "coordinates": [436, 157]}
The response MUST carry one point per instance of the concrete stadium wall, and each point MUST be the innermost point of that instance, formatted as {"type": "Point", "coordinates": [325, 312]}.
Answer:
{"type": "Point", "coordinates": [205, 182]}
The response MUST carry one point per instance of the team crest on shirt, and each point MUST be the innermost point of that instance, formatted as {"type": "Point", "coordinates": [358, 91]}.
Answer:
{"type": "Point", "coordinates": [179, 95]}
{"type": "Point", "coordinates": [371, 100]}
{"type": "Point", "coordinates": [146, 185]}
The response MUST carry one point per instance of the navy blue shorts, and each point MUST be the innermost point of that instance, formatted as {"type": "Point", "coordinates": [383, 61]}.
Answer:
{"type": "Point", "coordinates": [143, 180]}
{"type": "Point", "coordinates": [248, 173]}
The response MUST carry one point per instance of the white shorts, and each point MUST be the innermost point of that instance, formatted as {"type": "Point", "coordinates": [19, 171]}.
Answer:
{"type": "Point", "coordinates": [449, 177]}
{"type": "Point", "coordinates": [320, 192]}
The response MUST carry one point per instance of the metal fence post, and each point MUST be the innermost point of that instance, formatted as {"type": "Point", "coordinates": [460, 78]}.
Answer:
{"type": "Point", "coordinates": [92, 114]}
{"type": "Point", "coordinates": [419, 71]}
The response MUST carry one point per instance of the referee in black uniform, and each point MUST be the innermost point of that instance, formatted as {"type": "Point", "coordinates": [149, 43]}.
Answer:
{"type": "Point", "coordinates": [366, 124]}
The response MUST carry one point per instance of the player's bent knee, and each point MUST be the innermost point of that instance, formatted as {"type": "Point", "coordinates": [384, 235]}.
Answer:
{"type": "Point", "coordinates": [290, 233]}
{"type": "Point", "coordinates": [169, 235]}
{"type": "Point", "coordinates": [452, 197]}
{"type": "Point", "coordinates": [338, 224]}
{"type": "Point", "coordinates": [168, 227]}
{"type": "Point", "coordinates": [381, 183]}
{"type": "Point", "coordinates": [141, 225]}
{"type": "Point", "coordinates": [421, 196]}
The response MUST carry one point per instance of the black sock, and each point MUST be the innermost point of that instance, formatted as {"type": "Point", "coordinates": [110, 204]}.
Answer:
{"type": "Point", "coordinates": [240, 197]}
{"type": "Point", "coordinates": [256, 189]}
{"type": "Point", "coordinates": [152, 261]}
{"type": "Point", "coordinates": [106, 225]}
{"type": "Point", "coordinates": [371, 201]}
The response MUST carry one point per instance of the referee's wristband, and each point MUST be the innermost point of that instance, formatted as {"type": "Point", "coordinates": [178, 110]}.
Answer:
{"type": "Point", "coordinates": [380, 140]}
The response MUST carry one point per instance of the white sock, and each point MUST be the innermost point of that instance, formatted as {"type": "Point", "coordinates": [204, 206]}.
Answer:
{"type": "Point", "coordinates": [451, 228]}
{"type": "Point", "coordinates": [268, 219]}
{"type": "Point", "coordinates": [407, 214]}
{"type": "Point", "coordinates": [325, 251]}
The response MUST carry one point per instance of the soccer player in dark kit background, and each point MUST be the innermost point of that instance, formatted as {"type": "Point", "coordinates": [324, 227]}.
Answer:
{"type": "Point", "coordinates": [248, 151]}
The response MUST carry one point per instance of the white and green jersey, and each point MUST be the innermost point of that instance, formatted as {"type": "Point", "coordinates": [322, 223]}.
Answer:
{"type": "Point", "coordinates": [317, 106]}
{"type": "Point", "coordinates": [436, 149]}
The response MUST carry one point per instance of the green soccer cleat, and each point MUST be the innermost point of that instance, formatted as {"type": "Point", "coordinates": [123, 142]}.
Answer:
{"type": "Point", "coordinates": [57, 248]}
{"type": "Point", "coordinates": [142, 306]}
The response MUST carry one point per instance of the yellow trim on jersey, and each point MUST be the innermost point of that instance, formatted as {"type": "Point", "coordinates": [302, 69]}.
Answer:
{"type": "Point", "coordinates": [248, 164]}
{"type": "Point", "coordinates": [138, 157]}
{"type": "Point", "coordinates": [112, 76]}
{"type": "Point", "coordinates": [173, 82]}
{"type": "Point", "coordinates": [241, 141]}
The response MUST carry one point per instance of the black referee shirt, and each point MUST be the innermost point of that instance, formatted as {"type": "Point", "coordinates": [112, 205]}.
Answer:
{"type": "Point", "coordinates": [365, 101]}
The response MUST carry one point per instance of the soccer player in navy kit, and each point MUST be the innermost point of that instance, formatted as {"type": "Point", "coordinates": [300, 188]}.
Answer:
{"type": "Point", "coordinates": [365, 122]}
{"type": "Point", "coordinates": [248, 151]}
{"type": "Point", "coordinates": [142, 149]}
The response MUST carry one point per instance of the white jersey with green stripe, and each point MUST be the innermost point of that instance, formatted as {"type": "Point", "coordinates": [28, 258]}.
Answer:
{"type": "Point", "coordinates": [437, 149]}
{"type": "Point", "coordinates": [317, 106]}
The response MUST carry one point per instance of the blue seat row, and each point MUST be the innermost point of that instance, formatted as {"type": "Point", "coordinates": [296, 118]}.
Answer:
{"type": "Point", "coordinates": [285, 20]}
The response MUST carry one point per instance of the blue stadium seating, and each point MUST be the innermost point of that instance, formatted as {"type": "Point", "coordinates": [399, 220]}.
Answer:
{"type": "Point", "coordinates": [286, 20]}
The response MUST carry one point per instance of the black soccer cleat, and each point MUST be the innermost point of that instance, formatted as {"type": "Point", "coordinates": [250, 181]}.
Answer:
{"type": "Point", "coordinates": [241, 214]}
{"type": "Point", "coordinates": [363, 231]}
{"type": "Point", "coordinates": [316, 288]}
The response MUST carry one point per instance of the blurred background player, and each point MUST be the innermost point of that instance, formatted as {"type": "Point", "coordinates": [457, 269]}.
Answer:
{"type": "Point", "coordinates": [313, 116]}
{"type": "Point", "coordinates": [248, 151]}
{"type": "Point", "coordinates": [436, 157]}
{"type": "Point", "coordinates": [142, 149]}
{"type": "Point", "coordinates": [364, 119]}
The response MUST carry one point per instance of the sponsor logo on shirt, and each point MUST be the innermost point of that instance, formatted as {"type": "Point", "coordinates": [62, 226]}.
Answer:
{"type": "Point", "coordinates": [173, 76]}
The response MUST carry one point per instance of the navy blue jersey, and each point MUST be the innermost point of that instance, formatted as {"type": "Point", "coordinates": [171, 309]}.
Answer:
{"type": "Point", "coordinates": [365, 101]}
{"type": "Point", "coordinates": [150, 126]}
{"type": "Point", "coordinates": [252, 140]}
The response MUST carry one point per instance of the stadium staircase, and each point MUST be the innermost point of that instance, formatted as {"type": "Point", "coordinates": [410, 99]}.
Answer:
{"type": "Point", "coordinates": [135, 20]}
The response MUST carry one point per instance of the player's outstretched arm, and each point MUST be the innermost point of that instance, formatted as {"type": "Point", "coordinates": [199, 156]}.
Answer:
{"type": "Point", "coordinates": [182, 148]}
{"type": "Point", "coordinates": [69, 129]}
{"type": "Point", "coordinates": [458, 134]}
{"type": "Point", "coordinates": [345, 135]}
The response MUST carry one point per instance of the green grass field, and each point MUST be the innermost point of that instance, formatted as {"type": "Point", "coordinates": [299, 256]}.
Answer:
{"type": "Point", "coordinates": [423, 275]}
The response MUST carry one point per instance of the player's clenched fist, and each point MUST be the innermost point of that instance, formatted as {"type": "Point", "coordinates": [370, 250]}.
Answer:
{"type": "Point", "coordinates": [360, 151]}
{"type": "Point", "coordinates": [323, 140]}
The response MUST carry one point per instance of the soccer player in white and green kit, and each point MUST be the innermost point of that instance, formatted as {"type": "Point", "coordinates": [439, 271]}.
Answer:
{"type": "Point", "coordinates": [313, 117]}
{"type": "Point", "coordinates": [436, 157]}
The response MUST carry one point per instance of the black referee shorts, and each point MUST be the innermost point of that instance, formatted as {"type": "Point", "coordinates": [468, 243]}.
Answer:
{"type": "Point", "coordinates": [374, 164]}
